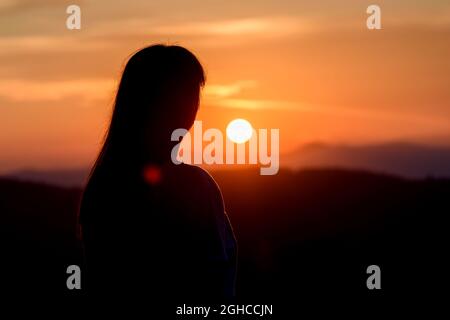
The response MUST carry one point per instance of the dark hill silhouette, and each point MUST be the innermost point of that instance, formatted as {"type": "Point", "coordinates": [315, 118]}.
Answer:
{"type": "Point", "coordinates": [64, 178]}
{"type": "Point", "coordinates": [310, 232]}
{"type": "Point", "coordinates": [39, 235]}
{"type": "Point", "coordinates": [399, 158]}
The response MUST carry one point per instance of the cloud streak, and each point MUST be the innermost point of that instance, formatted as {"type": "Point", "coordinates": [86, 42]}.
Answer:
{"type": "Point", "coordinates": [227, 90]}
{"type": "Point", "coordinates": [33, 91]}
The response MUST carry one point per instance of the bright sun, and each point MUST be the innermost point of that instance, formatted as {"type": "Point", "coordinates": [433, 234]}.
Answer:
{"type": "Point", "coordinates": [239, 130]}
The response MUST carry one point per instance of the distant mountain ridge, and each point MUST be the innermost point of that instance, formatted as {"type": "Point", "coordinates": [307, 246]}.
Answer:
{"type": "Point", "coordinates": [400, 159]}
{"type": "Point", "coordinates": [64, 178]}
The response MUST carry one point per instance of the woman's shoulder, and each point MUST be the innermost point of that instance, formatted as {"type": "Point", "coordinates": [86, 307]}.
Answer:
{"type": "Point", "coordinates": [199, 177]}
{"type": "Point", "coordinates": [197, 173]}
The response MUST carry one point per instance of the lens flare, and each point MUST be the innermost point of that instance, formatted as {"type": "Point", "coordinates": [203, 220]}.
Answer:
{"type": "Point", "coordinates": [152, 174]}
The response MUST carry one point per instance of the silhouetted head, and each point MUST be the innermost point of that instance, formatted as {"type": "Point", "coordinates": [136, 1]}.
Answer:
{"type": "Point", "coordinates": [158, 93]}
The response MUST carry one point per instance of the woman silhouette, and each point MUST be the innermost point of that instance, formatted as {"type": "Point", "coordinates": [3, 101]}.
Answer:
{"type": "Point", "coordinates": [147, 223]}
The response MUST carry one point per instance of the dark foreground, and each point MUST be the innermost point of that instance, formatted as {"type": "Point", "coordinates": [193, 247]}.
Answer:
{"type": "Point", "coordinates": [308, 234]}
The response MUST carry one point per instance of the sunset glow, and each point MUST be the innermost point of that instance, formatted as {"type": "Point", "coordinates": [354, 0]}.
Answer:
{"type": "Point", "coordinates": [314, 71]}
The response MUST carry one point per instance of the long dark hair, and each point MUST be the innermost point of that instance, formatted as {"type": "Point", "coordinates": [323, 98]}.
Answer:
{"type": "Point", "coordinates": [158, 92]}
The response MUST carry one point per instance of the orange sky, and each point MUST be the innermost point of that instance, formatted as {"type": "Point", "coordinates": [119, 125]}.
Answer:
{"type": "Point", "coordinates": [312, 70]}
